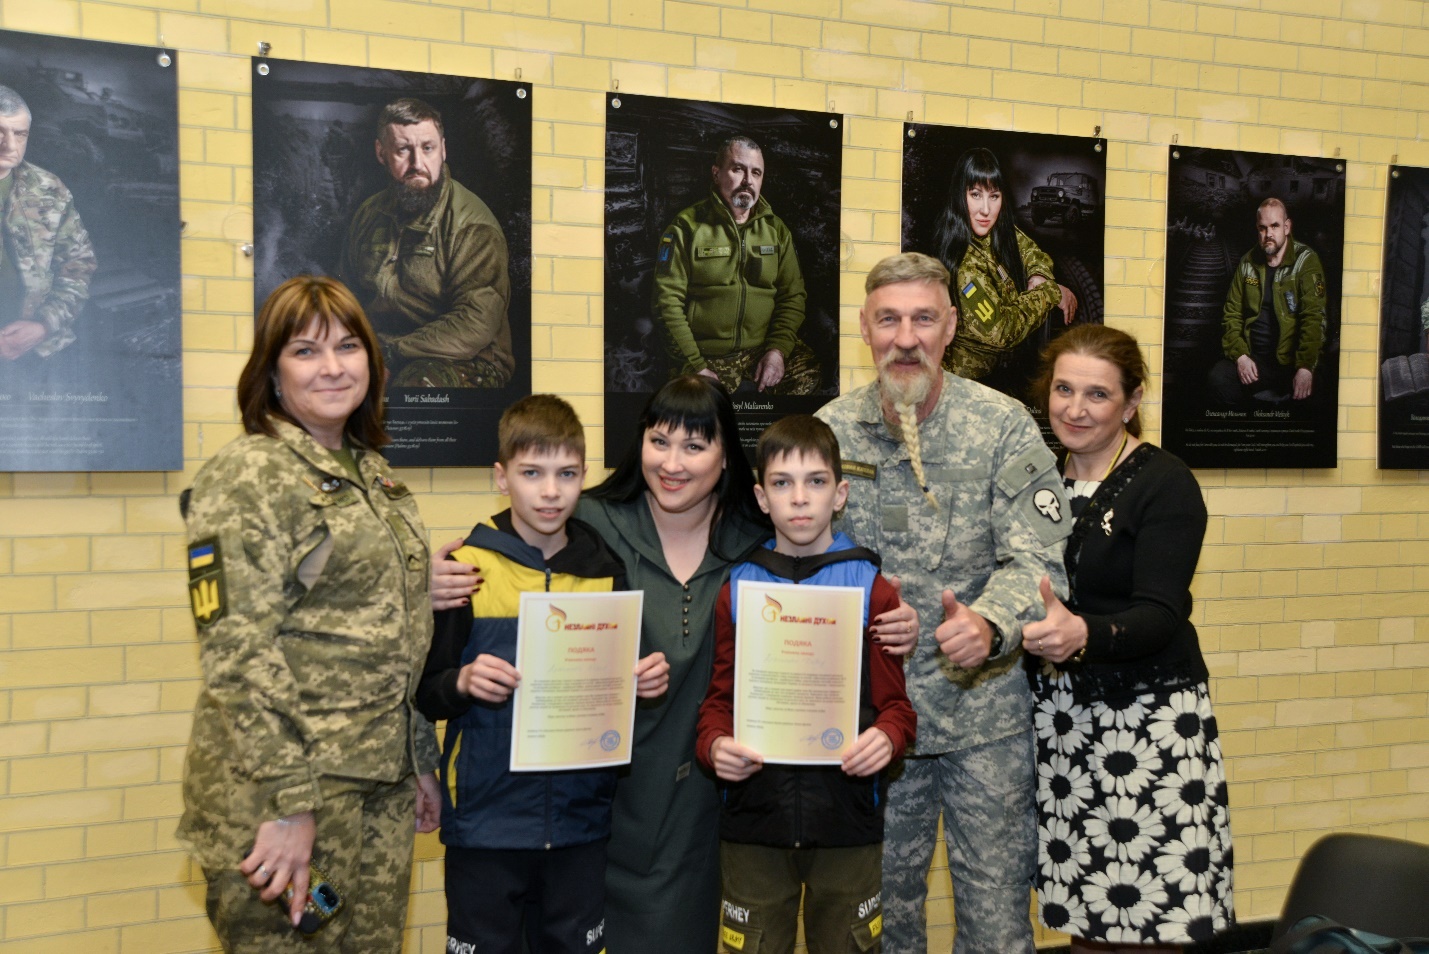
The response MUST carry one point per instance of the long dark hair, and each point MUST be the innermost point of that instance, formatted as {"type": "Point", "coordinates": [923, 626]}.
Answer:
{"type": "Point", "coordinates": [978, 167]}
{"type": "Point", "coordinates": [703, 408]}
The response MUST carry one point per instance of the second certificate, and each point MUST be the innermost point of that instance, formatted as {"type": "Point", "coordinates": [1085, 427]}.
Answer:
{"type": "Point", "coordinates": [575, 707]}
{"type": "Point", "coordinates": [798, 665]}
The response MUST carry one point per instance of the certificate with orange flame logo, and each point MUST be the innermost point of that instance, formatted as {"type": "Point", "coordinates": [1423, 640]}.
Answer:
{"type": "Point", "coordinates": [798, 665]}
{"type": "Point", "coordinates": [575, 707]}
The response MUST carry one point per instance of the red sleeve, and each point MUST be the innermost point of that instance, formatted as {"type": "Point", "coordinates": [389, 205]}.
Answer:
{"type": "Point", "coordinates": [717, 711]}
{"type": "Point", "coordinates": [885, 677]}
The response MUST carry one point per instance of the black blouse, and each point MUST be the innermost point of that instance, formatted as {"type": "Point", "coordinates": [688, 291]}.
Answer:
{"type": "Point", "coordinates": [1130, 560]}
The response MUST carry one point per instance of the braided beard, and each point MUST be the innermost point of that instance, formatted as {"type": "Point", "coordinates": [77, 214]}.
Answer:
{"type": "Point", "coordinates": [906, 393]}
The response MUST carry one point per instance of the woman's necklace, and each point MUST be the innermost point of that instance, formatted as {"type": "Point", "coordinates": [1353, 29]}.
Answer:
{"type": "Point", "coordinates": [1115, 457]}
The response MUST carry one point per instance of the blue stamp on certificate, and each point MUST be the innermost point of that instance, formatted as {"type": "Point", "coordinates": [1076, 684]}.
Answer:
{"type": "Point", "coordinates": [832, 739]}
{"type": "Point", "coordinates": [610, 740]}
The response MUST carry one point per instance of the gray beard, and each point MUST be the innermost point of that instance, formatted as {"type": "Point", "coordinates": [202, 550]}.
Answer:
{"type": "Point", "coordinates": [413, 204]}
{"type": "Point", "coordinates": [902, 389]}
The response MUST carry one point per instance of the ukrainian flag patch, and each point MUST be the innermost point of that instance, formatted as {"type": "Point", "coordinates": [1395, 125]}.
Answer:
{"type": "Point", "coordinates": [207, 593]}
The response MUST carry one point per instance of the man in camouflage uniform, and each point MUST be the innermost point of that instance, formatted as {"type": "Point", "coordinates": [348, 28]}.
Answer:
{"type": "Point", "coordinates": [1273, 324]}
{"type": "Point", "coordinates": [46, 259]}
{"type": "Point", "coordinates": [952, 484]}
{"type": "Point", "coordinates": [308, 584]}
{"type": "Point", "coordinates": [728, 289]}
{"type": "Point", "coordinates": [428, 261]}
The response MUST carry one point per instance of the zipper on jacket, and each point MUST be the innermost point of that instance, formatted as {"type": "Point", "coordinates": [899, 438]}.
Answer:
{"type": "Point", "coordinates": [743, 288]}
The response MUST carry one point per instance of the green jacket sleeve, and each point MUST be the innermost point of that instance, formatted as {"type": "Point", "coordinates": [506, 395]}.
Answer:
{"type": "Point", "coordinates": [245, 672]}
{"type": "Point", "coordinates": [1022, 312]}
{"type": "Point", "coordinates": [1310, 311]}
{"type": "Point", "coordinates": [478, 288]}
{"type": "Point", "coordinates": [672, 283]}
{"type": "Point", "coordinates": [1233, 339]}
{"type": "Point", "coordinates": [789, 299]}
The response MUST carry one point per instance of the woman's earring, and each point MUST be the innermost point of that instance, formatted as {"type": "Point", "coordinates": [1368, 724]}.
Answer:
{"type": "Point", "coordinates": [277, 390]}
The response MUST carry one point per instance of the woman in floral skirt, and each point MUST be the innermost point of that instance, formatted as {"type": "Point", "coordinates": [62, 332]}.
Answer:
{"type": "Point", "coordinates": [1134, 828]}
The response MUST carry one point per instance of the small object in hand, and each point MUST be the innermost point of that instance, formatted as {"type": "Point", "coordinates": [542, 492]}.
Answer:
{"type": "Point", "coordinates": [324, 901]}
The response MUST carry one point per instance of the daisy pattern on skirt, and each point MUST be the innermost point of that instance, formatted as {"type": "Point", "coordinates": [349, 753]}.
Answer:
{"type": "Point", "coordinates": [1123, 895]}
{"type": "Point", "coordinates": [1124, 713]}
{"type": "Point", "coordinates": [1124, 829]}
{"type": "Point", "coordinates": [1064, 855]}
{"type": "Point", "coordinates": [1186, 862]}
{"type": "Point", "coordinates": [1062, 723]}
{"type": "Point", "coordinates": [1176, 726]}
{"type": "Point", "coordinates": [1128, 764]}
{"type": "Point", "coordinates": [1198, 919]}
{"type": "Point", "coordinates": [1062, 910]}
{"type": "Point", "coordinates": [1184, 796]}
{"type": "Point", "coordinates": [1066, 788]}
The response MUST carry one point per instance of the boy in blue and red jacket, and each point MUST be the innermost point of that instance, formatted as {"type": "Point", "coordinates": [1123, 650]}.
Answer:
{"type": "Point", "coordinates": [788, 830]}
{"type": "Point", "coordinates": [527, 845]}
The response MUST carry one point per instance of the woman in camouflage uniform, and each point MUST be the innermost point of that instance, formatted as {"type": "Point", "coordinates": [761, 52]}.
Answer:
{"type": "Point", "coordinates": [308, 584]}
{"type": "Point", "coordinates": [1004, 282]}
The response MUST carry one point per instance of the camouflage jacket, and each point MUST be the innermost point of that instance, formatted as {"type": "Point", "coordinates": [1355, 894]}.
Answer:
{"type": "Point", "coordinates": [310, 596]}
{"type": "Point", "coordinates": [1001, 523]}
{"type": "Point", "coordinates": [52, 252]}
{"type": "Point", "coordinates": [1299, 288]}
{"type": "Point", "coordinates": [993, 315]}
{"type": "Point", "coordinates": [438, 287]}
{"type": "Point", "coordinates": [723, 287]}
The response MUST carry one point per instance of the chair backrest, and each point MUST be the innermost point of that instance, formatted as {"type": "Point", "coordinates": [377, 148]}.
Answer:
{"type": "Point", "coordinates": [1363, 881]}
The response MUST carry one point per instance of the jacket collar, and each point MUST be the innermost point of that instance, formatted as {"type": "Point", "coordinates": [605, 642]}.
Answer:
{"type": "Point", "coordinates": [305, 446]}
{"type": "Point", "coordinates": [584, 555]}
{"type": "Point", "coordinates": [798, 569]}
{"type": "Point", "coordinates": [722, 212]}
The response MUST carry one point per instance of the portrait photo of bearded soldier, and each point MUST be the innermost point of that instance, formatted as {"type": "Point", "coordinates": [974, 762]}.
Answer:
{"type": "Point", "coordinates": [951, 482]}
{"type": "Point", "coordinates": [428, 260]}
{"type": "Point", "coordinates": [1273, 326]}
{"type": "Point", "coordinates": [46, 258]}
{"type": "Point", "coordinates": [728, 289]}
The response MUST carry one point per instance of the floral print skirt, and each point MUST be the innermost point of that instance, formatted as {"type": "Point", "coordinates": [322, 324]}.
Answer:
{"type": "Point", "coordinates": [1134, 841]}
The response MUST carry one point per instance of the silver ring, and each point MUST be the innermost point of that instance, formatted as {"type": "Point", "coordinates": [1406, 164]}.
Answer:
{"type": "Point", "coordinates": [262, 869]}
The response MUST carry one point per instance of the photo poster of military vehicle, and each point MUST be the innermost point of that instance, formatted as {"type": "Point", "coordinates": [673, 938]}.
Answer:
{"type": "Point", "coordinates": [91, 345]}
{"type": "Point", "coordinates": [1053, 193]}
{"type": "Point", "coordinates": [1404, 323]}
{"type": "Point", "coordinates": [415, 190]}
{"type": "Point", "coordinates": [1254, 253]}
{"type": "Point", "coordinates": [725, 262]}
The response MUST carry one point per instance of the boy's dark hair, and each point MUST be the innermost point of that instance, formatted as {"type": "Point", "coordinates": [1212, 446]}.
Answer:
{"type": "Point", "coordinates": [801, 434]}
{"type": "Point", "coordinates": [540, 422]}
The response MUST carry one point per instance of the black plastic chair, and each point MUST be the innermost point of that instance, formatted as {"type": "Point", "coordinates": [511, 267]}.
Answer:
{"type": "Point", "coordinates": [1362, 881]}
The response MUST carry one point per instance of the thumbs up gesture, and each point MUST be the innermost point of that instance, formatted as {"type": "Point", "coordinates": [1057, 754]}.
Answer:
{"type": "Point", "coordinates": [963, 636]}
{"type": "Point", "coordinates": [1058, 636]}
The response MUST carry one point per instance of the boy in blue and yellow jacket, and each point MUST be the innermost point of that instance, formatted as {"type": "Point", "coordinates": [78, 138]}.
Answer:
{"type": "Point", "coordinates": [529, 844]}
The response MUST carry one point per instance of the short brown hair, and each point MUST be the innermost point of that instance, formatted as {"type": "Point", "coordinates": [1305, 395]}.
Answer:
{"type": "Point", "coordinates": [1095, 341]}
{"type": "Point", "coordinates": [540, 422]}
{"type": "Point", "coordinates": [906, 267]}
{"type": "Point", "coordinates": [801, 434]}
{"type": "Point", "coordinates": [294, 305]}
{"type": "Point", "coordinates": [408, 111]}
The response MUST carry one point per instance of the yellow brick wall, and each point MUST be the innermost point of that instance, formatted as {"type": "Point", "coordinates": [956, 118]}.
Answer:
{"type": "Point", "coordinates": [1313, 596]}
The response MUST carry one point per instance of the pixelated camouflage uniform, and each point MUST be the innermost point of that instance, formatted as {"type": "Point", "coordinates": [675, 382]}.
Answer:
{"type": "Point", "coordinates": [995, 316]}
{"type": "Point", "coordinates": [728, 293]}
{"type": "Point", "coordinates": [51, 251]}
{"type": "Point", "coordinates": [436, 289]}
{"type": "Point", "coordinates": [1000, 525]}
{"type": "Point", "coordinates": [310, 595]}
